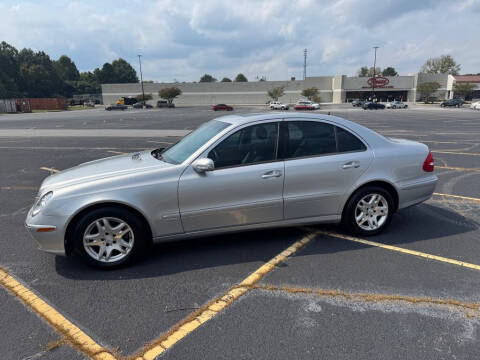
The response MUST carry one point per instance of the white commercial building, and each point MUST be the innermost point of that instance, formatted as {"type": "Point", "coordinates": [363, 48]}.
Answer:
{"type": "Point", "coordinates": [332, 89]}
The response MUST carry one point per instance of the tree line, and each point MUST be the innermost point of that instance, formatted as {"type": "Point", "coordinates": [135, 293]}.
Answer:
{"type": "Point", "coordinates": [209, 78]}
{"type": "Point", "coordinates": [443, 64]}
{"type": "Point", "coordinates": [28, 73]}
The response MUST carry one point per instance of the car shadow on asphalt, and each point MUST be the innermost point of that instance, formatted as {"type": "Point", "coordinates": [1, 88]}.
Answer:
{"type": "Point", "coordinates": [253, 247]}
{"type": "Point", "coordinates": [422, 223]}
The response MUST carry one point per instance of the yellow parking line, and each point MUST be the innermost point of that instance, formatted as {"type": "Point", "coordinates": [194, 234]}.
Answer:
{"type": "Point", "coordinates": [19, 188]}
{"type": "Point", "coordinates": [117, 152]}
{"type": "Point", "coordinates": [457, 168]}
{"type": "Point", "coordinates": [439, 142]}
{"type": "Point", "coordinates": [49, 169]}
{"type": "Point", "coordinates": [72, 333]}
{"type": "Point", "coordinates": [454, 152]}
{"type": "Point", "coordinates": [458, 197]}
{"type": "Point", "coordinates": [402, 250]}
{"type": "Point", "coordinates": [211, 309]}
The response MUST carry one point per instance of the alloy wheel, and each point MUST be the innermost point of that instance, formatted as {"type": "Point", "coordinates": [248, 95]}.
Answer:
{"type": "Point", "coordinates": [371, 212]}
{"type": "Point", "coordinates": [108, 239]}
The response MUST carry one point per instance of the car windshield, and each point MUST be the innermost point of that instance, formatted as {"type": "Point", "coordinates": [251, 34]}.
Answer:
{"type": "Point", "coordinates": [179, 152]}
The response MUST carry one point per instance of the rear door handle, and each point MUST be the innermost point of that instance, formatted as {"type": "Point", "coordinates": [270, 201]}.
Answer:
{"type": "Point", "coordinates": [271, 174]}
{"type": "Point", "coordinates": [351, 164]}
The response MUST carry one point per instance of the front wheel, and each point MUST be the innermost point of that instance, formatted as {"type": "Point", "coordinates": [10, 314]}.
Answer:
{"type": "Point", "coordinates": [110, 237]}
{"type": "Point", "coordinates": [368, 211]}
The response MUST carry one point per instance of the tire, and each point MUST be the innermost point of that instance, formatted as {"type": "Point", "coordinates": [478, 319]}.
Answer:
{"type": "Point", "coordinates": [350, 211]}
{"type": "Point", "coordinates": [135, 233]}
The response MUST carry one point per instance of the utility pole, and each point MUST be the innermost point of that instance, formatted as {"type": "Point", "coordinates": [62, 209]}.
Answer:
{"type": "Point", "coordinates": [141, 78]}
{"type": "Point", "coordinates": [304, 64]}
{"type": "Point", "coordinates": [374, 65]}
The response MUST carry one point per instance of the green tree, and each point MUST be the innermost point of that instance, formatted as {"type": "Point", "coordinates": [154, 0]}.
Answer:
{"type": "Point", "coordinates": [66, 69]}
{"type": "Point", "coordinates": [443, 64]}
{"type": "Point", "coordinates": [463, 89]}
{"type": "Point", "coordinates": [38, 75]}
{"type": "Point", "coordinates": [169, 93]}
{"type": "Point", "coordinates": [105, 75]}
{"type": "Point", "coordinates": [310, 93]}
{"type": "Point", "coordinates": [118, 72]}
{"type": "Point", "coordinates": [276, 93]}
{"type": "Point", "coordinates": [389, 71]}
{"type": "Point", "coordinates": [363, 71]}
{"type": "Point", "coordinates": [207, 78]}
{"type": "Point", "coordinates": [226, 79]}
{"type": "Point", "coordinates": [87, 84]}
{"type": "Point", "coordinates": [241, 78]}
{"type": "Point", "coordinates": [147, 97]}
{"type": "Point", "coordinates": [427, 89]}
{"type": "Point", "coordinates": [124, 72]}
{"type": "Point", "coordinates": [10, 81]}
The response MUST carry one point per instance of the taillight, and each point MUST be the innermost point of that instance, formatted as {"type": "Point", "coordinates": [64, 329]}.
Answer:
{"type": "Point", "coordinates": [428, 165]}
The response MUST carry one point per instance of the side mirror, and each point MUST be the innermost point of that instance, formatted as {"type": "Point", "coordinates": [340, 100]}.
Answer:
{"type": "Point", "coordinates": [202, 165]}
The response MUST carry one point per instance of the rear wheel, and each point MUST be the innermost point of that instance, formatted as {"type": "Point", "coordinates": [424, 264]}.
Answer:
{"type": "Point", "coordinates": [110, 237]}
{"type": "Point", "coordinates": [368, 211]}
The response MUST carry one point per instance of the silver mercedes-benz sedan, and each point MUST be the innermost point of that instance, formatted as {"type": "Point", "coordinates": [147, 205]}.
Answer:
{"type": "Point", "coordinates": [233, 173]}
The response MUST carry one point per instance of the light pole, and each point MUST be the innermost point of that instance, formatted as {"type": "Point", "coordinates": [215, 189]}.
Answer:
{"type": "Point", "coordinates": [374, 65]}
{"type": "Point", "coordinates": [304, 64]}
{"type": "Point", "coordinates": [141, 78]}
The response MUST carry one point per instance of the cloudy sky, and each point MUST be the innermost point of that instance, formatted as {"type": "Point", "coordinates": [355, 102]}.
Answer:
{"type": "Point", "coordinates": [183, 39]}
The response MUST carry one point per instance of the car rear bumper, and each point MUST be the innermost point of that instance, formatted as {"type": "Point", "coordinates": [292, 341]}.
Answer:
{"type": "Point", "coordinates": [417, 191]}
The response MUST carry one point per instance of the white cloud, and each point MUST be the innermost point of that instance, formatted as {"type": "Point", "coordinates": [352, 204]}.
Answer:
{"type": "Point", "coordinates": [184, 39]}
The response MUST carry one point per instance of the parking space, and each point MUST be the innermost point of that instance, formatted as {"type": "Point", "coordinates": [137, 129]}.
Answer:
{"type": "Point", "coordinates": [332, 297]}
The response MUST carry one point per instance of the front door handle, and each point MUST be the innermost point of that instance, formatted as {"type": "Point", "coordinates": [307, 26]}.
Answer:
{"type": "Point", "coordinates": [271, 174]}
{"type": "Point", "coordinates": [351, 164]}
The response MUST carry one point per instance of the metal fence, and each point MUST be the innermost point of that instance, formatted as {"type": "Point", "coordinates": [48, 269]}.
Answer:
{"type": "Point", "coordinates": [8, 106]}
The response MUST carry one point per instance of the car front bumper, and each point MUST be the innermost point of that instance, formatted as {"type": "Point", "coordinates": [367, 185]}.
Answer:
{"type": "Point", "coordinates": [48, 232]}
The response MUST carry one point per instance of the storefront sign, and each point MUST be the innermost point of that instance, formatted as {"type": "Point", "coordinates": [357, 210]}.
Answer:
{"type": "Point", "coordinates": [378, 82]}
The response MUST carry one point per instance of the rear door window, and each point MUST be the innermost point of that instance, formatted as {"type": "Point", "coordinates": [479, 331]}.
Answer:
{"type": "Point", "coordinates": [308, 138]}
{"type": "Point", "coordinates": [348, 142]}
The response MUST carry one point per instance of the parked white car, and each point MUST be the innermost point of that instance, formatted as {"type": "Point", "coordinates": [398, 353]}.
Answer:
{"type": "Point", "coordinates": [277, 105]}
{"type": "Point", "coordinates": [396, 105]}
{"type": "Point", "coordinates": [475, 105]}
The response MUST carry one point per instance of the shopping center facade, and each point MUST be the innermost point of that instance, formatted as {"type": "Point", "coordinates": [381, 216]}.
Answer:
{"type": "Point", "coordinates": [332, 89]}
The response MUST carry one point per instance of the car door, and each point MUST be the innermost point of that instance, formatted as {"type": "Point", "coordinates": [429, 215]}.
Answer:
{"type": "Point", "coordinates": [322, 162]}
{"type": "Point", "coordinates": [245, 187]}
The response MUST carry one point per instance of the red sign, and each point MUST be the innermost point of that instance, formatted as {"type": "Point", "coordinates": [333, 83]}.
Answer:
{"type": "Point", "coordinates": [378, 81]}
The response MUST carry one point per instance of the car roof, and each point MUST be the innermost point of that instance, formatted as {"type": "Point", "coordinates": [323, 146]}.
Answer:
{"type": "Point", "coordinates": [370, 136]}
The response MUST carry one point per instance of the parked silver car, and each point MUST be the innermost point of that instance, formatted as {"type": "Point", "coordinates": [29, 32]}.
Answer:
{"type": "Point", "coordinates": [232, 173]}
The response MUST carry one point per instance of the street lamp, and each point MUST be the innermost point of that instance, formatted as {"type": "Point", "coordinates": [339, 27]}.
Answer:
{"type": "Point", "coordinates": [374, 69]}
{"type": "Point", "coordinates": [141, 79]}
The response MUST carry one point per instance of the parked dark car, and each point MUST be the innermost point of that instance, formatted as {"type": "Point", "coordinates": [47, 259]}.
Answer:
{"type": "Point", "coordinates": [139, 105]}
{"type": "Point", "coordinates": [358, 102]}
{"type": "Point", "coordinates": [457, 102]}
{"type": "Point", "coordinates": [165, 104]}
{"type": "Point", "coordinates": [116, 107]}
{"type": "Point", "coordinates": [222, 107]}
{"type": "Point", "coordinates": [372, 106]}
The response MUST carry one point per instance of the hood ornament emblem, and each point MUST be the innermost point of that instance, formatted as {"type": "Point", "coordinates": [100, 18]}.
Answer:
{"type": "Point", "coordinates": [136, 156]}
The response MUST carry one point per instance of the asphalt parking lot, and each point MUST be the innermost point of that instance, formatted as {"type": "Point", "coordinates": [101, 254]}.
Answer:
{"type": "Point", "coordinates": [410, 292]}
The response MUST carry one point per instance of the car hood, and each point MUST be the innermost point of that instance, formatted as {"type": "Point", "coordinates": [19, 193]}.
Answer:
{"type": "Point", "coordinates": [104, 168]}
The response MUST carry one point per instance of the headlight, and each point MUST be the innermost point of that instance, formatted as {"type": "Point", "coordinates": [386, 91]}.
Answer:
{"type": "Point", "coordinates": [42, 203]}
